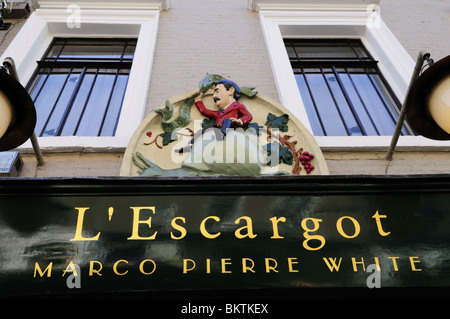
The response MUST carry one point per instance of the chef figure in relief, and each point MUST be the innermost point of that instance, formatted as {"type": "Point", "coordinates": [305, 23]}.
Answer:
{"type": "Point", "coordinates": [230, 114]}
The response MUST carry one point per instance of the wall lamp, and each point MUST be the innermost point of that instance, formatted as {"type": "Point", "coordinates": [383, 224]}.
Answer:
{"type": "Point", "coordinates": [427, 102]}
{"type": "Point", "coordinates": [18, 114]}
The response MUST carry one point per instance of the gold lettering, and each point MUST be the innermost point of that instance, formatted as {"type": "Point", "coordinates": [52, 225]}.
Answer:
{"type": "Point", "coordinates": [115, 267]}
{"type": "Point", "coordinates": [275, 222]}
{"type": "Point", "coordinates": [136, 222]}
{"type": "Point", "coordinates": [224, 262]}
{"type": "Point", "coordinates": [269, 267]}
{"type": "Point", "coordinates": [308, 237]}
{"type": "Point", "coordinates": [208, 266]}
{"type": "Point", "coordinates": [47, 270]}
{"type": "Point", "coordinates": [290, 262]}
{"type": "Point", "coordinates": [245, 267]}
{"type": "Point", "coordinates": [71, 265]}
{"type": "Point", "coordinates": [332, 264]}
{"type": "Point", "coordinates": [203, 229]}
{"type": "Point", "coordinates": [78, 230]}
{"type": "Point", "coordinates": [341, 230]}
{"type": "Point", "coordinates": [181, 229]}
{"type": "Point", "coordinates": [185, 264]}
{"type": "Point", "coordinates": [249, 228]}
{"type": "Point", "coordinates": [377, 262]}
{"type": "Point", "coordinates": [92, 270]}
{"type": "Point", "coordinates": [141, 267]}
{"type": "Point", "coordinates": [378, 221]}
{"type": "Point", "coordinates": [394, 262]}
{"type": "Point", "coordinates": [354, 263]}
{"type": "Point", "coordinates": [412, 261]}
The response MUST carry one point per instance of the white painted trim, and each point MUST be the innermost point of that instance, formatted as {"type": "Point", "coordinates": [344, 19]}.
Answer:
{"type": "Point", "coordinates": [321, 5]}
{"type": "Point", "coordinates": [36, 35]}
{"type": "Point", "coordinates": [284, 77]}
{"type": "Point", "coordinates": [380, 143]}
{"type": "Point", "coordinates": [106, 5]}
{"type": "Point", "coordinates": [364, 23]}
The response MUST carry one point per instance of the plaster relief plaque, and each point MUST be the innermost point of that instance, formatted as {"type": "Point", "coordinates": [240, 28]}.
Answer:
{"type": "Point", "coordinates": [222, 129]}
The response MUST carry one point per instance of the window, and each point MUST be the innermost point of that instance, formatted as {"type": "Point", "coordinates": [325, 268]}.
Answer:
{"type": "Point", "coordinates": [48, 22]}
{"type": "Point", "coordinates": [324, 21]}
{"type": "Point", "coordinates": [342, 88]}
{"type": "Point", "coordinates": [79, 86]}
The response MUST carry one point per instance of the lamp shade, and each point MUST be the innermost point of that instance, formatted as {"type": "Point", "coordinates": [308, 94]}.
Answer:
{"type": "Point", "coordinates": [6, 114]}
{"type": "Point", "coordinates": [17, 113]}
{"type": "Point", "coordinates": [439, 104]}
{"type": "Point", "coordinates": [428, 102]}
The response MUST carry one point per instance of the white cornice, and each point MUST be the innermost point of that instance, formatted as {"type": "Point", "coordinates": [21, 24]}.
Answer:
{"type": "Point", "coordinates": [304, 5]}
{"type": "Point", "coordinates": [160, 5]}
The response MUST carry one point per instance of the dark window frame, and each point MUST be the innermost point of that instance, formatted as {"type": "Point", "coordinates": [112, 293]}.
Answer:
{"type": "Point", "coordinates": [359, 61]}
{"type": "Point", "coordinates": [83, 66]}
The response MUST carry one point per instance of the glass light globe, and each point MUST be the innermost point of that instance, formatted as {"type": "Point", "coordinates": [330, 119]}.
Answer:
{"type": "Point", "coordinates": [439, 104]}
{"type": "Point", "coordinates": [6, 114]}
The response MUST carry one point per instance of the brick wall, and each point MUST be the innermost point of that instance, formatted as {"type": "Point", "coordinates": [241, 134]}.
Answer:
{"type": "Point", "coordinates": [199, 37]}
{"type": "Point", "coordinates": [419, 25]}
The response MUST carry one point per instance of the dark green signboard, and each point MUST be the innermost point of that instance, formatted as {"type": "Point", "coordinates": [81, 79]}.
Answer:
{"type": "Point", "coordinates": [126, 235]}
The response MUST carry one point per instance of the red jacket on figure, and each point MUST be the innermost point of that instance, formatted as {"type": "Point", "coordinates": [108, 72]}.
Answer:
{"type": "Point", "coordinates": [234, 110]}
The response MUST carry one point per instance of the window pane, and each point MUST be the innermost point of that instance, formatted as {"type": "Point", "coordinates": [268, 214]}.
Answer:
{"type": "Point", "coordinates": [313, 117]}
{"type": "Point", "coordinates": [359, 107]}
{"type": "Point", "coordinates": [73, 118]}
{"type": "Point", "coordinates": [327, 52]}
{"type": "Point", "coordinates": [54, 51]}
{"type": "Point", "coordinates": [80, 96]}
{"type": "Point", "coordinates": [115, 105]}
{"type": "Point", "coordinates": [345, 107]}
{"type": "Point", "coordinates": [377, 112]}
{"type": "Point", "coordinates": [361, 52]}
{"type": "Point", "coordinates": [129, 52]}
{"type": "Point", "coordinates": [291, 53]}
{"type": "Point", "coordinates": [88, 49]}
{"type": "Point", "coordinates": [95, 109]}
{"type": "Point", "coordinates": [89, 52]}
{"type": "Point", "coordinates": [37, 84]}
{"type": "Point", "coordinates": [55, 117]}
{"type": "Point", "coordinates": [47, 99]}
{"type": "Point", "coordinates": [327, 111]}
{"type": "Point", "coordinates": [342, 89]}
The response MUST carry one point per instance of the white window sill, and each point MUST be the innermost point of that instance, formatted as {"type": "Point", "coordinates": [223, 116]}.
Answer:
{"type": "Point", "coordinates": [68, 144]}
{"type": "Point", "coordinates": [380, 143]}
{"type": "Point", "coordinates": [118, 144]}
